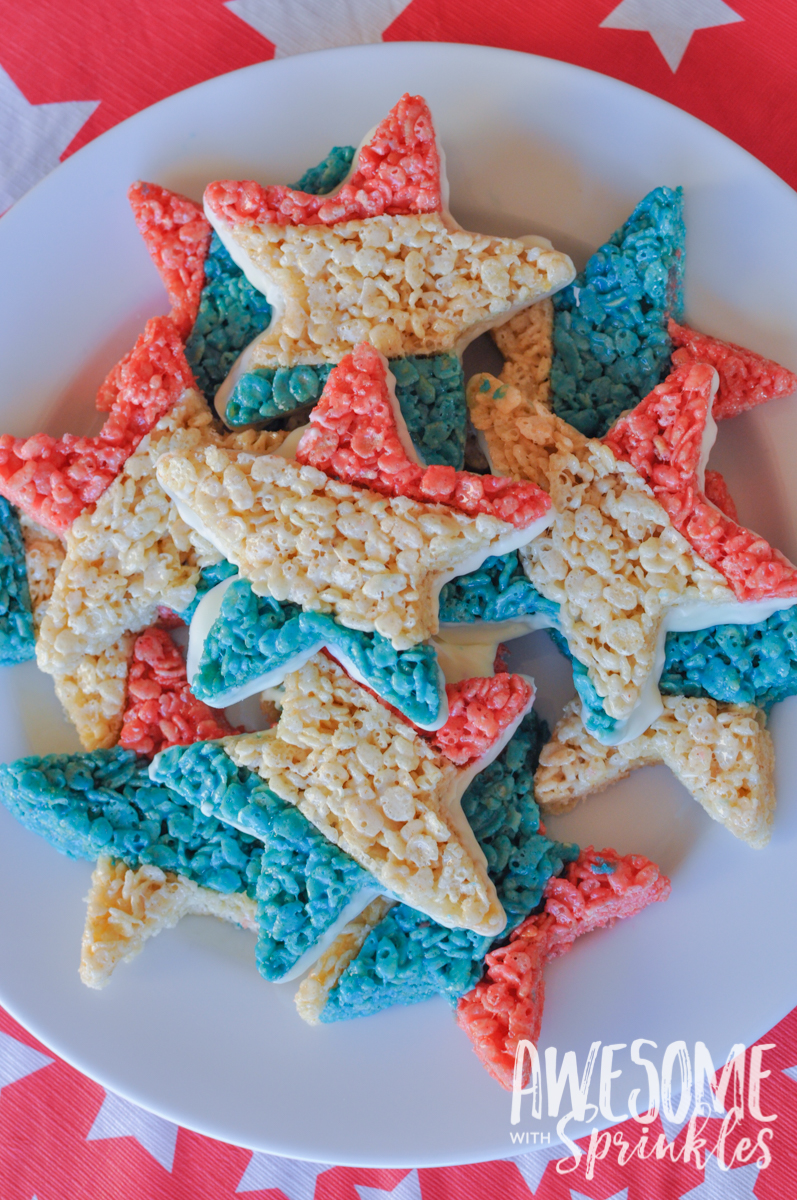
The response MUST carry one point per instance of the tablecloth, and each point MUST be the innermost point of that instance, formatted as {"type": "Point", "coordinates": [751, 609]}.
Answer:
{"type": "Point", "coordinates": [69, 72]}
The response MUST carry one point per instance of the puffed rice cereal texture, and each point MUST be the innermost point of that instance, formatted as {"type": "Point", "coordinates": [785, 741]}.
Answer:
{"type": "Point", "coordinates": [407, 285]}
{"type": "Point", "coordinates": [722, 754]}
{"type": "Point", "coordinates": [378, 791]}
{"type": "Point", "coordinates": [506, 1006]}
{"type": "Point", "coordinates": [614, 563]}
{"type": "Point", "coordinates": [376, 562]}
{"type": "Point", "coordinates": [305, 882]}
{"type": "Point", "coordinates": [525, 341]}
{"type": "Point", "coordinates": [44, 553]}
{"type": "Point", "coordinates": [131, 553]}
{"type": "Point", "coordinates": [126, 908]}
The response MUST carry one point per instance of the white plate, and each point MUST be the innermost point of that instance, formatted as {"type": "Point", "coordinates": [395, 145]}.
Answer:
{"type": "Point", "coordinates": [190, 1030]}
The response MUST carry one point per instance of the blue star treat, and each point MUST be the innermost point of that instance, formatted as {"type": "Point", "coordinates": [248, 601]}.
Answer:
{"type": "Point", "coordinates": [307, 888]}
{"type": "Point", "coordinates": [255, 640]}
{"type": "Point", "coordinates": [104, 803]}
{"type": "Point", "coordinates": [406, 957]}
{"type": "Point", "coordinates": [610, 337]}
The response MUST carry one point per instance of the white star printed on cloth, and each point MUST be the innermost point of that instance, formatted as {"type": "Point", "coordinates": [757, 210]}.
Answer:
{"type": "Point", "coordinates": [623, 1195]}
{"type": "Point", "coordinates": [736, 1184]}
{"type": "Point", "coordinates": [670, 23]}
{"type": "Point", "coordinates": [33, 137]}
{"type": "Point", "coordinates": [534, 1165]}
{"type": "Point", "coordinates": [303, 25]}
{"type": "Point", "coordinates": [791, 1072]}
{"type": "Point", "coordinates": [119, 1118]}
{"type": "Point", "coordinates": [296, 1180]}
{"type": "Point", "coordinates": [408, 1189]}
{"type": "Point", "coordinates": [18, 1060]}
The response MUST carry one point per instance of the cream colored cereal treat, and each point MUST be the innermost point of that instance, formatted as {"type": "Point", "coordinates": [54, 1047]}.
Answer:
{"type": "Point", "coordinates": [44, 553]}
{"type": "Point", "coordinates": [519, 434]}
{"type": "Point", "coordinates": [722, 754]}
{"type": "Point", "coordinates": [406, 284]}
{"type": "Point", "coordinates": [93, 695]}
{"type": "Point", "coordinates": [314, 990]}
{"type": "Point", "coordinates": [376, 562]}
{"type": "Point", "coordinates": [378, 260]}
{"type": "Point", "coordinates": [525, 341]}
{"type": "Point", "coordinates": [132, 553]}
{"type": "Point", "coordinates": [377, 790]}
{"type": "Point", "coordinates": [127, 907]}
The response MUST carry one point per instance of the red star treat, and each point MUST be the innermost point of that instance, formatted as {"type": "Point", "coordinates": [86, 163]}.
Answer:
{"type": "Point", "coordinates": [177, 235]}
{"type": "Point", "coordinates": [379, 260]}
{"type": "Point", "coordinates": [397, 173]}
{"type": "Point", "coordinates": [663, 438]}
{"type": "Point", "coordinates": [161, 711]}
{"type": "Point", "coordinates": [506, 1006]}
{"type": "Point", "coordinates": [746, 378]}
{"type": "Point", "coordinates": [357, 435]}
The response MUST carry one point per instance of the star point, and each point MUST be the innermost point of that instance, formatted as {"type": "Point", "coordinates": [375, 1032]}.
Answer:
{"type": "Point", "coordinates": [18, 1060]}
{"type": "Point", "coordinates": [735, 1184]}
{"type": "Point", "coordinates": [534, 1165]}
{"type": "Point", "coordinates": [119, 1118]}
{"type": "Point", "coordinates": [671, 23]}
{"type": "Point", "coordinates": [409, 1188]}
{"type": "Point", "coordinates": [315, 25]}
{"type": "Point", "coordinates": [33, 137]}
{"type": "Point", "coordinates": [294, 1178]}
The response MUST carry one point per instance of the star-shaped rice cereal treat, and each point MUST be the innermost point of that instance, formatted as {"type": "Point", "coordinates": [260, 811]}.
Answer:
{"type": "Point", "coordinates": [666, 439]}
{"type": "Point", "coordinates": [401, 956]}
{"type": "Point", "coordinates": [379, 260]}
{"type": "Point", "coordinates": [376, 562]}
{"type": "Point", "coordinates": [126, 557]}
{"type": "Point", "coordinates": [506, 1006]}
{"type": "Point", "coordinates": [379, 791]}
{"type": "Point", "coordinates": [159, 857]}
{"type": "Point", "coordinates": [126, 907]}
{"type": "Point", "coordinates": [610, 337]}
{"type": "Point", "coordinates": [254, 641]}
{"type": "Point", "coordinates": [721, 753]}
{"type": "Point", "coordinates": [54, 479]}
{"type": "Point", "coordinates": [357, 435]}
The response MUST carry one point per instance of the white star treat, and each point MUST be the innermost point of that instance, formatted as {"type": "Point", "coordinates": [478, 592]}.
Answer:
{"type": "Point", "coordinates": [380, 259]}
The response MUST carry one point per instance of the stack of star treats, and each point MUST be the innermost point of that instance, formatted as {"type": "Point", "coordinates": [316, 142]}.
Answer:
{"type": "Point", "coordinates": [282, 471]}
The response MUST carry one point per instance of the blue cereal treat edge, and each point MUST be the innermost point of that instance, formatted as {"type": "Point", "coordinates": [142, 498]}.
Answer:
{"type": "Point", "coordinates": [408, 957]}
{"type": "Point", "coordinates": [104, 802]}
{"type": "Point", "coordinates": [255, 634]}
{"type": "Point", "coordinates": [610, 339]}
{"type": "Point", "coordinates": [17, 641]}
{"type": "Point", "coordinates": [305, 881]}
